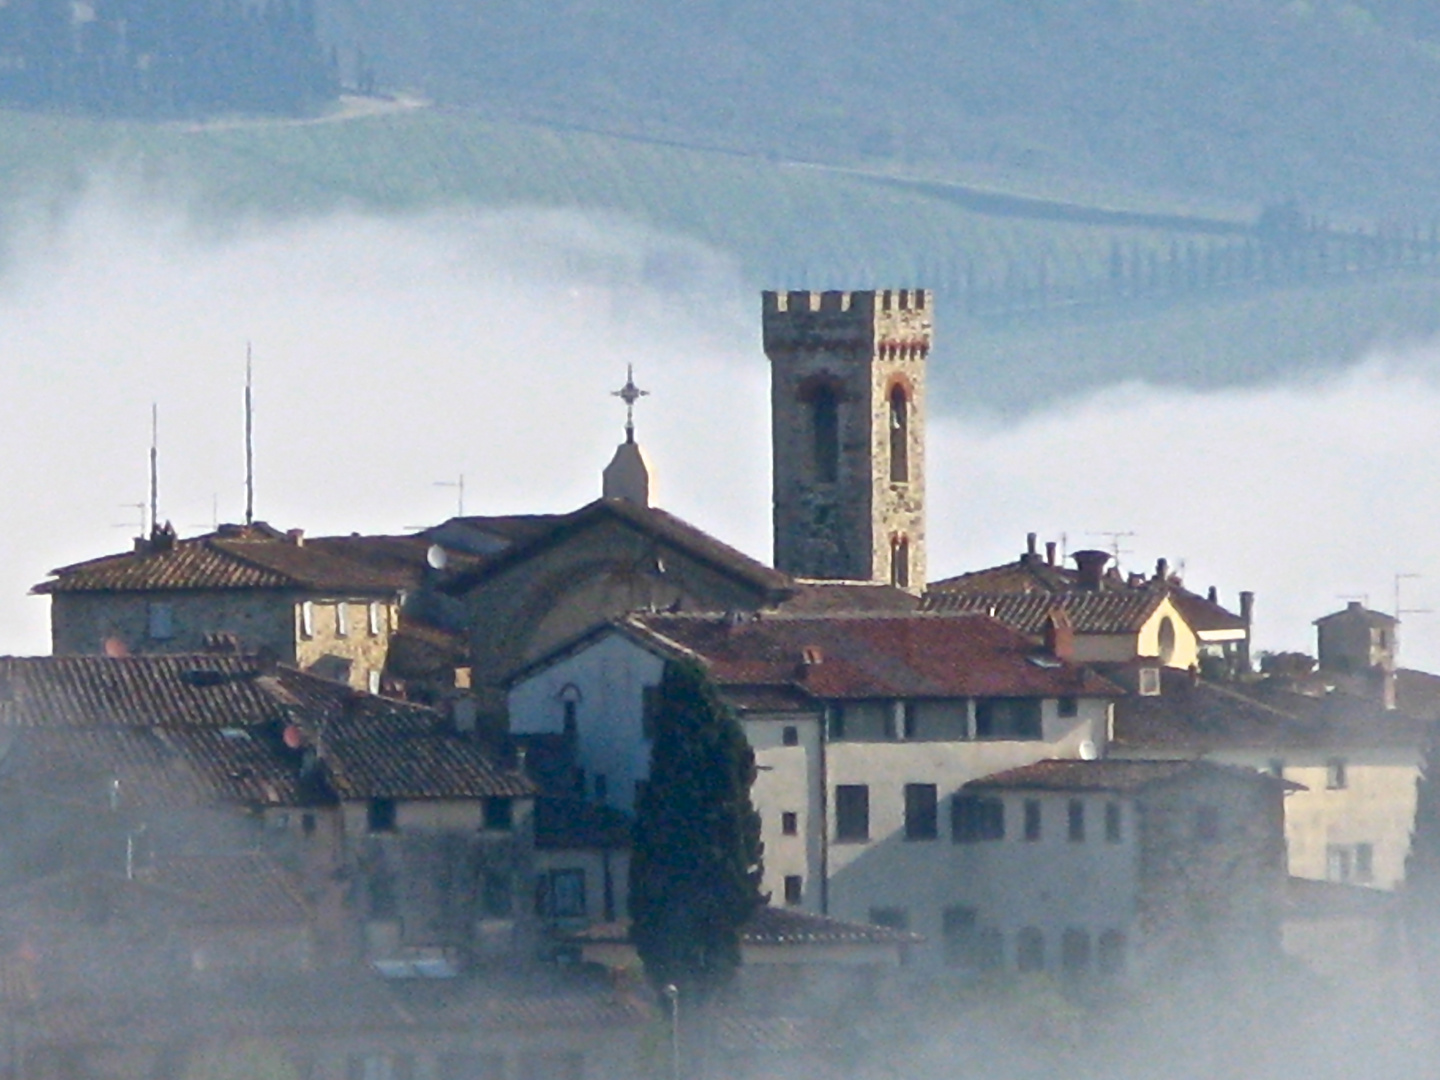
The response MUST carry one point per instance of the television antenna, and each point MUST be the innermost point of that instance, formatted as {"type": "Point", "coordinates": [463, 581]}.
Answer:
{"type": "Point", "coordinates": [154, 468]}
{"type": "Point", "coordinates": [139, 507]}
{"type": "Point", "coordinates": [249, 440]}
{"type": "Point", "coordinates": [459, 486]}
{"type": "Point", "coordinates": [1115, 536]}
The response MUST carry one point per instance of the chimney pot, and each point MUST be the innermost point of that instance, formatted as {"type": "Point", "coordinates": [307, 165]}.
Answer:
{"type": "Point", "coordinates": [1091, 564]}
{"type": "Point", "coordinates": [1030, 539]}
{"type": "Point", "coordinates": [1162, 569]}
{"type": "Point", "coordinates": [1050, 552]}
{"type": "Point", "coordinates": [1213, 595]}
{"type": "Point", "coordinates": [295, 536]}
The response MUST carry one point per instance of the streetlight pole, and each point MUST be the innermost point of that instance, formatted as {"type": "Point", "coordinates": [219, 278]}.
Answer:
{"type": "Point", "coordinates": [672, 995]}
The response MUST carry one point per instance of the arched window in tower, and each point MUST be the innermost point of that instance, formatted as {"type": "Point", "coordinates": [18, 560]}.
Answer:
{"type": "Point", "coordinates": [899, 435]}
{"type": "Point", "coordinates": [900, 562]}
{"type": "Point", "coordinates": [825, 426]}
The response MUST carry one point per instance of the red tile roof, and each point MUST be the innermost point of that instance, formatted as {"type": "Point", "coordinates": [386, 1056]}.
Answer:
{"type": "Point", "coordinates": [651, 522]}
{"type": "Point", "coordinates": [871, 656]}
{"type": "Point", "coordinates": [1112, 775]}
{"type": "Point", "coordinates": [254, 559]}
{"type": "Point", "coordinates": [1119, 612]}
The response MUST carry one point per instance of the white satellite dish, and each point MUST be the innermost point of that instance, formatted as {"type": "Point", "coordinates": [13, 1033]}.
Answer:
{"type": "Point", "coordinates": [1088, 751]}
{"type": "Point", "coordinates": [437, 557]}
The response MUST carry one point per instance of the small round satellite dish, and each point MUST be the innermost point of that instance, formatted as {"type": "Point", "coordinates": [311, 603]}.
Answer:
{"type": "Point", "coordinates": [437, 557]}
{"type": "Point", "coordinates": [1088, 751]}
{"type": "Point", "coordinates": [294, 738]}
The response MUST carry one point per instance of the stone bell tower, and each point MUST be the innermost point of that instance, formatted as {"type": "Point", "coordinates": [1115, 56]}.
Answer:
{"type": "Point", "coordinates": [847, 400]}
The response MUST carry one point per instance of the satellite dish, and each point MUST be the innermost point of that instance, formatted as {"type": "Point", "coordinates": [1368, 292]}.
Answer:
{"type": "Point", "coordinates": [294, 738]}
{"type": "Point", "coordinates": [437, 557]}
{"type": "Point", "coordinates": [1088, 751]}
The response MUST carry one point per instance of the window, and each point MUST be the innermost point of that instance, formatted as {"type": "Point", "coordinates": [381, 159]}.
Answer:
{"type": "Point", "coordinates": [1149, 682]}
{"type": "Point", "coordinates": [837, 721]}
{"type": "Point", "coordinates": [852, 813]}
{"type": "Point", "coordinates": [899, 436]}
{"type": "Point", "coordinates": [1068, 707]}
{"type": "Point", "coordinates": [1032, 820]}
{"type": "Point", "coordinates": [1364, 863]}
{"type": "Point", "coordinates": [1165, 639]}
{"type": "Point", "coordinates": [1030, 950]}
{"type": "Point", "coordinates": [1207, 823]}
{"type": "Point", "coordinates": [380, 815]}
{"type": "Point", "coordinates": [1112, 823]}
{"type": "Point", "coordinates": [161, 622]}
{"type": "Point", "coordinates": [497, 895]}
{"type": "Point", "coordinates": [900, 562]}
{"type": "Point", "coordinates": [1075, 816]}
{"type": "Point", "coordinates": [570, 719]}
{"type": "Point", "coordinates": [909, 720]}
{"type": "Point", "coordinates": [1337, 863]}
{"type": "Point", "coordinates": [1111, 952]}
{"type": "Point", "coordinates": [1075, 951]}
{"type": "Point", "coordinates": [560, 894]}
{"type": "Point", "coordinates": [373, 623]}
{"type": "Point", "coordinates": [307, 620]}
{"type": "Point", "coordinates": [896, 918]}
{"type": "Point", "coordinates": [922, 816]}
{"type": "Point", "coordinates": [790, 735]}
{"type": "Point", "coordinates": [342, 619]}
{"type": "Point", "coordinates": [825, 431]}
{"type": "Point", "coordinates": [372, 681]}
{"type": "Point", "coordinates": [794, 885]}
{"type": "Point", "coordinates": [975, 818]}
{"type": "Point", "coordinates": [790, 823]}
{"type": "Point", "coordinates": [499, 813]}
{"type": "Point", "coordinates": [1335, 778]}
{"type": "Point", "coordinates": [957, 932]}
{"type": "Point", "coordinates": [1007, 718]}
{"type": "Point", "coordinates": [649, 710]}
{"type": "Point", "coordinates": [471, 1067]}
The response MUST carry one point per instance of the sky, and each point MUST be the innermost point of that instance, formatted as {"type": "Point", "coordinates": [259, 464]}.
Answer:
{"type": "Point", "coordinates": [393, 355]}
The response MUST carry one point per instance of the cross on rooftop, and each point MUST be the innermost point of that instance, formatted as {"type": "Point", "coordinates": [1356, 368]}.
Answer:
{"type": "Point", "coordinates": [630, 394]}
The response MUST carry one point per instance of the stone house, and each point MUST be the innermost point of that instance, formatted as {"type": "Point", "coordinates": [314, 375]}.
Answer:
{"type": "Point", "coordinates": [1101, 867]}
{"type": "Point", "coordinates": [863, 726]}
{"type": "Point", "coordinates": [329, 605]}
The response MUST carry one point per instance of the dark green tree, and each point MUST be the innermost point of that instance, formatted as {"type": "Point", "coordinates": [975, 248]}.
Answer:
{"type": "Point", "coordinates": [695, 865]}
{"type": "Point", "coordinates": [1421, 892]}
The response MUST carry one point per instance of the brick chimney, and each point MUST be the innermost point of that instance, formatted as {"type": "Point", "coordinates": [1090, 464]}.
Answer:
{"type": "Point", "coordinates": [1059, 634]}
{"type": "Point", "coordinates": [1091, 564]}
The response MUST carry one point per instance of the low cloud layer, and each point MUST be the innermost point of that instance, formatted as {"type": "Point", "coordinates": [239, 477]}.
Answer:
{"type": "Point", "coordinates": [394, 354]}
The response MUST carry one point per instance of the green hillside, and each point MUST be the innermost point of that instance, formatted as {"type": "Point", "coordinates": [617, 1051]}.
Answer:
{"type": "Point", "coordinates": [785, 225]}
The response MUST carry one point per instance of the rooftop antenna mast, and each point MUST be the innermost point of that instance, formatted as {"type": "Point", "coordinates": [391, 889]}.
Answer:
{"type": "Point", "coordinates": [154, 468]}
{"type": "Point", "coordinates": [249, 440]}
{"type": "Point", "coordinates": [1401, 611]}
{"type": "Point", "coordinates": [1115, 536]}
{"type": "Point", "coordinates": [459, 486]}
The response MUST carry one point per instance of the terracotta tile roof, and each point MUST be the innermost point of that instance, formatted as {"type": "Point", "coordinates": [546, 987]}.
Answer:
{"type": "Point", "coordinates": [247, 889]}
{"type": "Point", "coordinates": [379, 748]}
{"type": "Point", "coordinates": [1356, 611]}
{"type": "Point", "coordinates": [650, 521]}
{"type": "Point", "coordinates": [775, 926]}
{"type": "Point", "coordinates": [1193, 716]}
{"type": "Point", "coordinates": [1122, 776]}
{"type": "Point", "coordinates": [259, 559]}
{"type": "Point", "coordinates": [1025, 574]}
{"type": "Point", "coordinates": [871, 656]}
{"type": "Point", "coordinates": [1109, 612]}
{"type": "Point", "coordinates": [195, 729]}
{"type": "Point", "coordinates": [841, 597]}
{"type": "Point", "coordinates": [1202, 614]}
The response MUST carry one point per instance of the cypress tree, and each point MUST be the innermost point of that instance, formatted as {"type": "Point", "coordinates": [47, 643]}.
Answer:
{"type": "Point", "coordinates": [695, 864]}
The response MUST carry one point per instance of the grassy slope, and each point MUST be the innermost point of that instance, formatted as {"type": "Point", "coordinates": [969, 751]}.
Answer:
{"type": "Point", "coordinates": [785, 225]}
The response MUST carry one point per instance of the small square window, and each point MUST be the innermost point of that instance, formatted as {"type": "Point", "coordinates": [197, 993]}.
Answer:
{"type": "Point", "coordinates": [790, 823]}
{"type": "Point", "coordinates": [790, 735]}
{"type": "Point", "coordinates": [909, 720]}
{"type": "Point", "coordinates": [1335, 774]}
{"type": "Point", "coordinates": [794, 887]}
{"type": "Point", "coordinates": [921, 812]}
{"type": "Point", "coordinates": [499, 813]}
{"type": "Point", "coordinates": [1032, 820]}
{"type": "Point", "coordinates": [1068, 707]}
{"type": "Point", "coordinates": [852, 813]}
{"type": "Point", "coordinates": [1149, 682]}
{"type": "Point", "coordinates": [380, 815]}
{"type": "Point", "coordinates": [1112, 823]}
{"type": "Point", "coordinates": [1076, 818]}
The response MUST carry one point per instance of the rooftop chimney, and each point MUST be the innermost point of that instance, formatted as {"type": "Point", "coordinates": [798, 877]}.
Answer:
{"type": "Point", "coordinates": [1091, 564]}
{"type": "Point", "coordinates": [1059, 634]}
{"type": "Point", "coordinates": [1049, 552]}
{"type": "Point", "coordinates": [1213, 595]}
{"type": "Point", "coordinates": [1030, 555]}
{"type": "Point", "coordinates": [295, 536]}
{"type": "Point", "coordinates": [1162, 570]}
{"type": "Point", "coordinates": [1247, 615]}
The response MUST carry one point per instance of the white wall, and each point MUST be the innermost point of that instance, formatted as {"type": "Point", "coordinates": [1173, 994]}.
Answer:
{"type": "Point", "coordinates": [606, 678]}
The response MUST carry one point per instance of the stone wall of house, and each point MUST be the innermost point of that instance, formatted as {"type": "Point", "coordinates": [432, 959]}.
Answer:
{"type": "Point", "coordinates": [851, 519]}
{"type": "Point", "coordinates": [530, 607]}
{"type": "Point", "coordinates": [1212, 869]}
{"type": "Point", "coordinates": [346, 635]}
{"type": "Point", "coordinates": [81, 622]}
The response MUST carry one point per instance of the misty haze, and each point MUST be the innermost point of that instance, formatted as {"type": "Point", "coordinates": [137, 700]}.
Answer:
{"type": "Point", "coordinates": [550, 544]}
